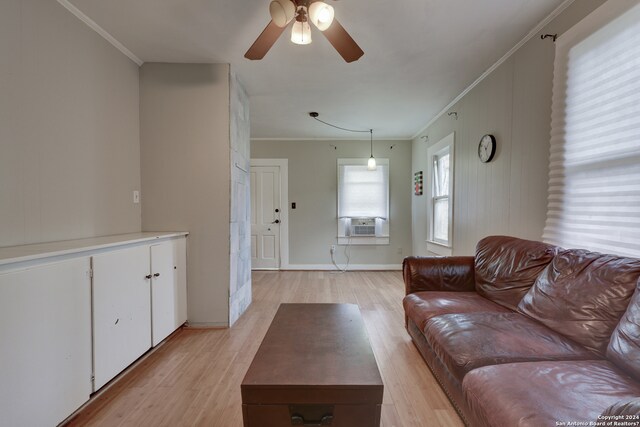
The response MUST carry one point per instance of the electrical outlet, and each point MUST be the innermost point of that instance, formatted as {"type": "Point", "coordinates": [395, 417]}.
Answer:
{"type": "Point", "coordinates": [136, 196]}
{"type": "Point", "coordinates": [332, 249]}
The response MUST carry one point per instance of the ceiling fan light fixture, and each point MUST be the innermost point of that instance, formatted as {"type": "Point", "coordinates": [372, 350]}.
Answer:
{"type": "Point", "coordinates": [301, 33]}
{"type": "Point", "coordinates": [282, 12]}
{"type": "Point", "coordinates": [321, 14]}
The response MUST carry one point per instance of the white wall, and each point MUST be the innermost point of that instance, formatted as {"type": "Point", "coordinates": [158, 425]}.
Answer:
{"type": "Point", "coordinates": [69, 128]}
{"type": "Point", "coordinates": [509, 194]}
{"type": "Point", "coordinates": [313, 187]}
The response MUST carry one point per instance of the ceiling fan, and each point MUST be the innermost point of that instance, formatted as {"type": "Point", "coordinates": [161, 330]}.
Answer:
{"type": "Point", "coordinates": [301, 12]}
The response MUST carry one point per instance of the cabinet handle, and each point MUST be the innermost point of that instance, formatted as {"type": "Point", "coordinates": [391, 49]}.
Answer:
{"type": "Point", "coordinates": [156, 275]}
{"type": "Point", "coordinates": [298, 420]}
{"type": "Point", "coordinates": [148, 276]}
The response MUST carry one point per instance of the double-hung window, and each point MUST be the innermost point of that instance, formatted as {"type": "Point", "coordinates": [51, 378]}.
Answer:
{"type": "Point", "coordinates": [440, 196]}
{"type": "Point", "coordinates": [363, 202]}
{"type": "Point", "coordinates": [594, 172]}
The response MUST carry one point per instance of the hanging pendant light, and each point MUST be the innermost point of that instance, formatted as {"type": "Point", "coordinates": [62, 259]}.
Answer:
{"type": "Point", "coordinates": [371, 164]}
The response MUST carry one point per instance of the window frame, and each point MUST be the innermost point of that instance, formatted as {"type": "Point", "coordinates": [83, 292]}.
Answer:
{"type": "Point", "coordinates": [445, 146]}
{"type": "Point", "coordinates": [382, 225]}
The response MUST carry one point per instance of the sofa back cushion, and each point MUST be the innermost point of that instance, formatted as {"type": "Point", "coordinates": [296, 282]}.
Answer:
{"type": "Point", "coordinates": [624, 347]}
{"type": "Point", "coordinates": [583, 295]}
{"type": "Point", "coordinates": [507, 267]}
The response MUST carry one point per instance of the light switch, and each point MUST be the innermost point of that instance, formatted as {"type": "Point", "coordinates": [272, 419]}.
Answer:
{"type": "Point", "coordinates": [136, 196]}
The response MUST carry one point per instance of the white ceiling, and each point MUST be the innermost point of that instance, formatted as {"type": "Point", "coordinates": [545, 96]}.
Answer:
{"type": "Point", "coordinates": [419, 55]}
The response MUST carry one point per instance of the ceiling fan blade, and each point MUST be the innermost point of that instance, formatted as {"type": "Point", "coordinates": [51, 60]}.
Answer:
{"type": "Point", "coordinates": [265, 40]}
{"type": "Point", "coordinates": [343, 42]}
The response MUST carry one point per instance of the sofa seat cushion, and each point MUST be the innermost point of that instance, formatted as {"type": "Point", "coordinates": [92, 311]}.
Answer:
{"type": "Point", "coordinates": [537, 394]}
{"type": "Point", "coordinates": [467, 341]}
{"type": "Point", "coordinates": [422, 306]}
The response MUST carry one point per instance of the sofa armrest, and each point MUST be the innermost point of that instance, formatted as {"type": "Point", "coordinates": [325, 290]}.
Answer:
{"type": "Point", "coordinates": [624, 407]}
{"type": "Point", "coordinates": [455, 273]}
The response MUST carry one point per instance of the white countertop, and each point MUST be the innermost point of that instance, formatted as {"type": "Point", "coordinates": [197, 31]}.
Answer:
{"type": "Point", "coordinates": [13, 254]}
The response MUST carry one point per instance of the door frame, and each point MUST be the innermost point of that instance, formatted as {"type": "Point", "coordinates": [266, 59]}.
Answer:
{"type": "Point", "coordinates": [283, 165]}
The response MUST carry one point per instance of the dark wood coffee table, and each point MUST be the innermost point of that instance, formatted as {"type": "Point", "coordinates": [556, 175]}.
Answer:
{"type": "Point", "coordinates": [314, 367]}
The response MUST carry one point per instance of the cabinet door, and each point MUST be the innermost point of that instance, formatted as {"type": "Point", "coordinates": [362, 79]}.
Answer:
{"type": "Point", "coordinates": [163, 291]}
{"type": "Point", "coordinates": [121, 310]}
{"type": "Point", "coordinates": [180, 277]}
{"type": "Point", "coordinates": [45, 336]}
{"type": "Point", "coordinates": [168, 288]}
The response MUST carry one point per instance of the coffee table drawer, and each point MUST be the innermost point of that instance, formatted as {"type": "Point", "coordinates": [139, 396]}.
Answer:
{"type": "Point", "coordinates": [311, 415]}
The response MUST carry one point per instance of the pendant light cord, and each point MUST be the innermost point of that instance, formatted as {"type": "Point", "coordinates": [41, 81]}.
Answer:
{"type": "Point", "coordinates": [315, 117]}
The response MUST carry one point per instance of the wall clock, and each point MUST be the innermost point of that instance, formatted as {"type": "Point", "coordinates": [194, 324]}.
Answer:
{"type": "Point", "coordinates": [487, 148]}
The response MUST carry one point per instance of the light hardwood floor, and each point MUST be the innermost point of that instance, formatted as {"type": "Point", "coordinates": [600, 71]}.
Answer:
{"type": "Point", "coordinates": [194, 378]}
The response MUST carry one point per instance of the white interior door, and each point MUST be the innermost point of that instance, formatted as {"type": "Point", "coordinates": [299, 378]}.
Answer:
{"type": "Point", "coordinates": [265, 217]}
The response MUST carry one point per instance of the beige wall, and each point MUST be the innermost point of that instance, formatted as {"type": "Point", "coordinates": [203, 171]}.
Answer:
{"type": "Point", "coordinates": [313, 187]}
{"type": "Point", "coordinates": [184, 141]}
{"type": "Point", "coordinates": [509, 194]}
{"type": "Point", "coordinates": [69, 128]}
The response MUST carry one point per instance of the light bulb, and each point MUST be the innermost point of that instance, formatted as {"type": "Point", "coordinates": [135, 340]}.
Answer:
{"type": "Point", "coordinates": [321, 14]}
{"type": "Point", "coordinates": [301, 33]}
{"type": "Point", "coordinates": [371, 164]}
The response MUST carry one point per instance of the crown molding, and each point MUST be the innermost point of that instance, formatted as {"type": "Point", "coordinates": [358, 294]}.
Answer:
{"type": "Point", "coordinates": [98, 29]}
{"type": "Point", "coordinates": [301, 139]}
{"type": "Point", "coordinates": [557, 11]}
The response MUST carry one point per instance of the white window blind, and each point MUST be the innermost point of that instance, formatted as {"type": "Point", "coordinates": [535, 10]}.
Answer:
{"type": "Point", "coordinates": [594, 172]}
{"type": "Point", "coordinates": [363, 193]}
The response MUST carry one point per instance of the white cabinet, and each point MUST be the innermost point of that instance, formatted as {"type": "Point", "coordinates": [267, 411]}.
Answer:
{"type": "Point", "coordinates": [59, 326]}
{"type": "Point", "coordinates": [121, 310]}
{"type": "Point", "coordinates": [139, 298]}
{"type": "Point", "coordinates": [45, 336]}
{"type": "Point", "coordinates": [168, 288]}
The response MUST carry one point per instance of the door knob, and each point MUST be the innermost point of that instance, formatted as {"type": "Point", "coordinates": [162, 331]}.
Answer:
{"type": "Point", "coordinates": [277, 210]}
{"type": "Point", "coordinates": [277, 221]}
{"type": "Point", "coordinates": [148, 276]}
{"type": "Point", "coordinates": [156, 275]}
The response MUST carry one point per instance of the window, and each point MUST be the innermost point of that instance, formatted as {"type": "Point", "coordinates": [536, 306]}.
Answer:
{"type": "Point", "coordinates": [363, 199]}
{"type": "Point", "coordinates": [594, 172]}
{"type": "Point", "coordinates": [440, 196]}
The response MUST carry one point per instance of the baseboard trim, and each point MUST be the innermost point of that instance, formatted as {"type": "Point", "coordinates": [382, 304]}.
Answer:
{"type": "Point", "coordinates": [352, 267]}
{"type": "Point", "coordinates": [207, 325]}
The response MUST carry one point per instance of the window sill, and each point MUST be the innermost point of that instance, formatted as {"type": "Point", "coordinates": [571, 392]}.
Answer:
{"type": "Point", "coordinates": [369, 240]}
{"type": "Point", "coordinates": [439, 248]}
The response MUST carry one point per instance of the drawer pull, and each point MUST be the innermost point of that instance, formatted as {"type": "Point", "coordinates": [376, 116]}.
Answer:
{"type": "Point", "coordinates": [298, 420]}
{"type": "Point", "coordinates": [156, 275]}
{"type": "Point", "coordinates": [148, 276]}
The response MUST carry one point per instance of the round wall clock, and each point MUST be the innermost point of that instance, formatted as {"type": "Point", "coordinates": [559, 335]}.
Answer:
{"type": "Point", "coordinates": [487, 148]}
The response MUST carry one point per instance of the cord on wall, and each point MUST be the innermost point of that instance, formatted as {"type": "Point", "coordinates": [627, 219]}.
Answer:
{"type": "Point", "coordinates": [347, 253]}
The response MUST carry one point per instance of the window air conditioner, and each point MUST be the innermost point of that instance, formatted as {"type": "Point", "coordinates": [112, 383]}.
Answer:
{"type": "Point", "coordinates": [362, 227]}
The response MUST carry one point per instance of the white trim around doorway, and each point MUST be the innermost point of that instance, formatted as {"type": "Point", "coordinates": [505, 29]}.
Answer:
{"type": "Point", "coordinates": [283, 164]}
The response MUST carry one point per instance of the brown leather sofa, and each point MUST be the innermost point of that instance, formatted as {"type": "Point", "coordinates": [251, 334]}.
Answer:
{"type": "Point", "coordinates": [529, 334]}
